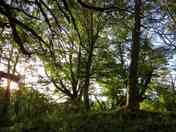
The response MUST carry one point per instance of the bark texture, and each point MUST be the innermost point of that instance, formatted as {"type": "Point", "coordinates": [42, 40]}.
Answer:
{"type": "Point", "coordinates": [132, 103]}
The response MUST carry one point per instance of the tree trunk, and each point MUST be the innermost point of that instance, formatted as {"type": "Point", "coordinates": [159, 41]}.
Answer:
{"type": "Point", "coordinates": [132, 103]}
{"type": "Point", "coordinates": [91, 42]}
{"type": "Point", "coordinates": [87, 79]}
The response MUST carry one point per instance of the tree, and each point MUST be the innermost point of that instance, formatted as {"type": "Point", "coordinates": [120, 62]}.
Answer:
{"type": "Point", "coordinates": [82, 43]}
{"type": "Point", "coordinates": [68, 58]}
{"type": "Point", "coordinates": [131, 97]}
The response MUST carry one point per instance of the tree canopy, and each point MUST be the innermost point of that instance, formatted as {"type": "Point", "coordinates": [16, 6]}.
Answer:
{"type": "Point", "coordinates": [83, 56]}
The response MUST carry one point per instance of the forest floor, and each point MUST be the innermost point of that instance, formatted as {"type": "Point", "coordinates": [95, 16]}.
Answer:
{"type": "Point", "coordinates": [122, 122]}
{"type": "Point", "coordinates": [114, 121]}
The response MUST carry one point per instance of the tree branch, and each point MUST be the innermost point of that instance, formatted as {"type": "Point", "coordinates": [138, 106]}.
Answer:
{"type": "Point", "coordinates": [102, 9]}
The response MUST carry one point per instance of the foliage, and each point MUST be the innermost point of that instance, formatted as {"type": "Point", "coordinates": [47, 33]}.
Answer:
{"type": "Point", "coordinates": [119, 121]}
{"type": "Point", "coordinates": [98, 55]}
